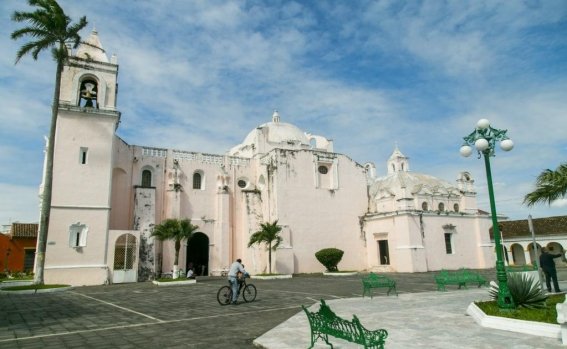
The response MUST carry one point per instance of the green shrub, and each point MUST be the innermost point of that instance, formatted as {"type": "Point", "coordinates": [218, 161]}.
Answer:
{"type": "Point", "coordinates": [330, 258]}
{"type": "Point", "coordinates": [524, 291]}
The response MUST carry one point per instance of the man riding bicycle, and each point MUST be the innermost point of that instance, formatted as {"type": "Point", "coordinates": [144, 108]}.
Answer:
{"type": "Point", "coordinates": [235, 274]}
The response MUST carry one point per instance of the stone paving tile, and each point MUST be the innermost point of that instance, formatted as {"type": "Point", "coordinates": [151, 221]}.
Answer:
{"type": "Point", "coordinates": [143, 315]}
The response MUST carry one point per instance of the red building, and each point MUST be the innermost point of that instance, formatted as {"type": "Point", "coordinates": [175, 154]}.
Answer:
{"type": "Point", "coordinates": [17, 248]}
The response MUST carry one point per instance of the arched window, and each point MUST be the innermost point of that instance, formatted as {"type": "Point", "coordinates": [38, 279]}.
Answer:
{"type": "Point", "coordinates": [146, 178]}
{"type": "Point", "coordinates": [424, 206]}
{"type": "Point", "coordinates": [441, 207]}
{"type": "Point", "coordinates": [456, 207]}
{"type": "Point", "coordinates": [313, 143]}
{"type": "Point", "coordinates": [197, 180]}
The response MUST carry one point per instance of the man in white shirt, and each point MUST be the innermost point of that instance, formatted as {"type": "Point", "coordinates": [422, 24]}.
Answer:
{"type": "Point", "coordinates": [235, 268]}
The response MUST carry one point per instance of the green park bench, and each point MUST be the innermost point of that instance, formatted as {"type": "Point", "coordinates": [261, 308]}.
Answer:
{"type": "Point", "coordinates": [377, 281]}
{"type": "Point", "coordinates": [325, 323]}
{"type": "Point", "coordinates": [472, 277]}
{"type": "Point", "coordinates": [458, 277]}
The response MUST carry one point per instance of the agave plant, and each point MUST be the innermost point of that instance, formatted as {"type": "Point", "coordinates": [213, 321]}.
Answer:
{"type": "Point", "coordinates": [525, 292]}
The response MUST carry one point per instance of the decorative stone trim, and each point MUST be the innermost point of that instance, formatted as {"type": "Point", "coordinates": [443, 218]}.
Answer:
{"type": "Point", "coordinates": [514, 325]}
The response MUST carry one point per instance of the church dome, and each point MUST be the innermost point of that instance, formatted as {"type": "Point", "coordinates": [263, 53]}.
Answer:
{"type": "Point", "coordinates": [278, 132]}
{"type": "Point", "coordinates": [416, 183]}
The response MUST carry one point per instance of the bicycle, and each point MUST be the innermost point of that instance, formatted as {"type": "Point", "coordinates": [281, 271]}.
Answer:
{"type": "Point", "coordinates": [224, 294]}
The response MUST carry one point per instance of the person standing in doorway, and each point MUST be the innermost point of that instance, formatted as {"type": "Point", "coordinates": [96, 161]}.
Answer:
{"type": "Point", "coordinates": [235, 268]}
{"type": "Point", "coordinates": [547, 264]}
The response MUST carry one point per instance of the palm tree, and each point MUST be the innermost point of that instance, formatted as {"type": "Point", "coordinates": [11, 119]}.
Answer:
{"type": "Point", "coordinates": [49, 28]}
{"type": "Point", "coordinates": [269, 235]}
{"type": "Point", "coordinates": [550, 186]}
{"type": "Point", "coordinates": [177, 230]}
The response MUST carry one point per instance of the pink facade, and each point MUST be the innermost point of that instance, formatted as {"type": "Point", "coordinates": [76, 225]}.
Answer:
{"type": "Point", "coordinates": [108, 195]}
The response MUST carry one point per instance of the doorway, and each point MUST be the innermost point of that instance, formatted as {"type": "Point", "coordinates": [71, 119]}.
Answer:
{"type": "Point", "coordinates": [124, 259]}
{"type": "Point", "coordinates": [383, 252]}
{"type": "Point", "coordinates": [198, 254]}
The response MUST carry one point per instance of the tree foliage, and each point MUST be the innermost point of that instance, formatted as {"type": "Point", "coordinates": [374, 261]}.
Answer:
{"type": "Point", "coordinates": [48, 28]}
{"type": "Point", "coordinates": [176, 230]}
{"type": "Point", "coordinates": [269, 234]}
{"type": "Point", "coordinates": [550, 186]}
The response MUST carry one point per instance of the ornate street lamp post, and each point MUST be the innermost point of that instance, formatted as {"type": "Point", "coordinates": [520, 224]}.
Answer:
{"type": "Point", "coordinates": [483, 138]}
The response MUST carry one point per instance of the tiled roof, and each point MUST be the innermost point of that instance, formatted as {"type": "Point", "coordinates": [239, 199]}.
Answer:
{"type": "Point", "coordinates": [24, 230]}
{"type": "Point", "coordinates": [542, 226]}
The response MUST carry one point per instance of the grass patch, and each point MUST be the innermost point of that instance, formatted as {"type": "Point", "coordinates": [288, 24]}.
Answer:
{"type": "Point", "coordinates": [32, 287]}
{"type": "Point", "coordinates": [308, 275]}
{"type": "Point", "coordinates": [546, 315]}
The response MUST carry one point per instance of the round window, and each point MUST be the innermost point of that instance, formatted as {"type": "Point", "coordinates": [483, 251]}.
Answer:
{"type": "Point", "coordinates": [323, 170]}
{"type": "Point", "coordinates": [242, 183]}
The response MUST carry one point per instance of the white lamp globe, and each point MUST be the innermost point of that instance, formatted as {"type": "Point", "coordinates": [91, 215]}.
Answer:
{"type": "Point", "coordinates": [507, 145]}
{"type": "Point", "coordinates": [465, 151]}
{"type": "Point", "coordinates": [483, 124]}
{"type": "Point", "coordinates": [481, 144]}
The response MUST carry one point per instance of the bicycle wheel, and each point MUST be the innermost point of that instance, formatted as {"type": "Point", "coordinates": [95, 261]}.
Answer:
{"type": "Point", "coordinates": [249, 293]}
{"type": "Point", "coordinates": [224, 295]}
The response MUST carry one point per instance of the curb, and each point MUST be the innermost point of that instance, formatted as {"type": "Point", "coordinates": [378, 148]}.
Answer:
{"type": "Point", "coordinates": [514, 325]}
{"type": "Point", "coordinates": [175, 283]}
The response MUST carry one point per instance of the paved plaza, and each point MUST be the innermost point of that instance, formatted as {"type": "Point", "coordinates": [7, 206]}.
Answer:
{"type": "Point", "coordinates": [143, 315]}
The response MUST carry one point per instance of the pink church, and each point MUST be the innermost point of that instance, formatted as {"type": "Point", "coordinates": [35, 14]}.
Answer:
{"type": "Point", "coordinates": [108, 194]}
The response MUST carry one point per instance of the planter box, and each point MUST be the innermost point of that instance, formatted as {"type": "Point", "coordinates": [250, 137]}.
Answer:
{"type": "Point", "coordinates": [272, 277]}
{"type": "Point", "coordinates": [346, 273]}
{"type": "Point", "coordinates": [514, 325]}
{"type": "Point", "coordinates": [175, 283]}
{"type": "Point", "coordinates": [43, 290]}
{"type": "Point", "coordinates": [12, 283]}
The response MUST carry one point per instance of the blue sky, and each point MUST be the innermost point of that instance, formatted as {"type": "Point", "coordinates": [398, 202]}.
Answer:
{"type": "Point", "coordinates": [199, 75]}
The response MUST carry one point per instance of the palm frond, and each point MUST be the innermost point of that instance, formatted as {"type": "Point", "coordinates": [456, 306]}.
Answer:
{"type": "Point", "coordinates": [550, 186]}
{"type": "Point", "coordinates": [525, 291]}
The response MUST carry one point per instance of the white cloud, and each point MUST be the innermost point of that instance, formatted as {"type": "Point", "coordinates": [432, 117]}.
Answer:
{"type": "Point", "coordinates": [559, 203]}
{"type": "Point", "coordinates": [199, 76]}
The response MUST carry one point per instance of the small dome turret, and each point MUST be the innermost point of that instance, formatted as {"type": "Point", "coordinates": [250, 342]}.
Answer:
{"type": "Point", "coordinates": [397, 161]}
{"type": "Point", "coordinates": [92, 49]}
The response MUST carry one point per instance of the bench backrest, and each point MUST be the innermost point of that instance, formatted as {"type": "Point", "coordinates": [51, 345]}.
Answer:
{"type": "Point", "coordinates": [379, 279]}
{"type": "Point", "coordinates": [326, 321]}
{"type": "Point", "coordinates": [372, 277]}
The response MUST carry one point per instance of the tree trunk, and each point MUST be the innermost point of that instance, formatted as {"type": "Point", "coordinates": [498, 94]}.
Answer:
{"type": "Point", "coordinates": [269, 258]}
{"type": "Point", "coordinates": [48, 183]}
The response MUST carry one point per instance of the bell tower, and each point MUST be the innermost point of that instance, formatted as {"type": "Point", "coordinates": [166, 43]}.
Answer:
{"type": "Point", "coordinates": [77, 240]}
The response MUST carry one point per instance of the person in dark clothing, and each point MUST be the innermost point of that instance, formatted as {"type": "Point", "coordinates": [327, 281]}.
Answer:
{"type": "Point", "coordinates": [547, 264]}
